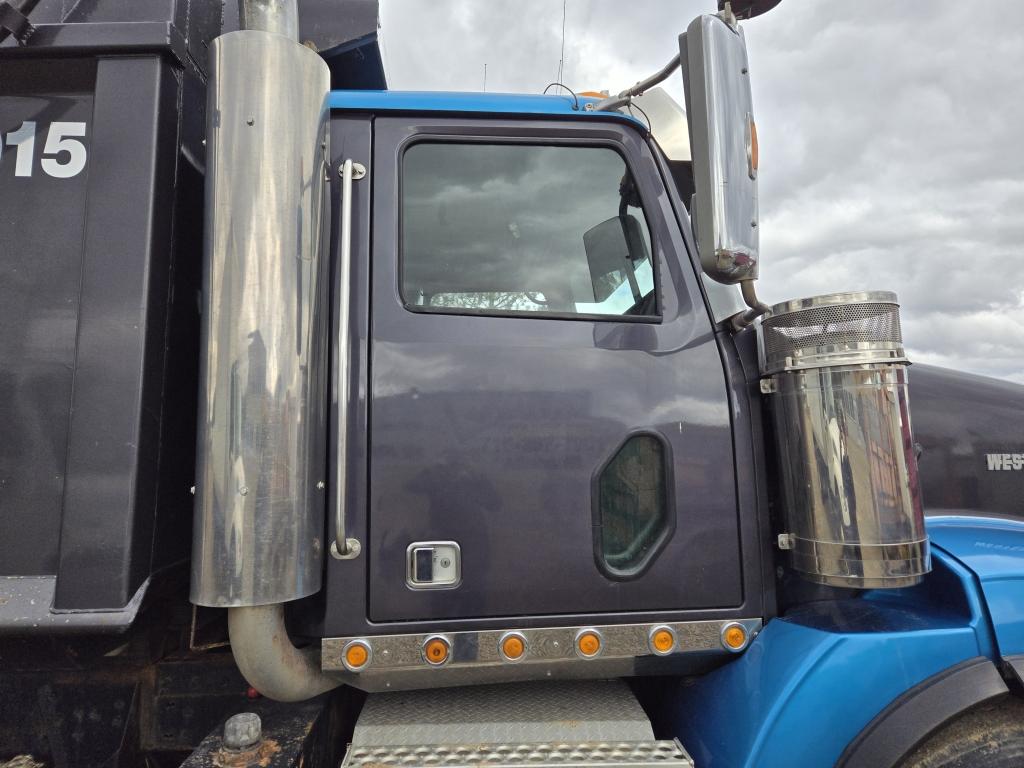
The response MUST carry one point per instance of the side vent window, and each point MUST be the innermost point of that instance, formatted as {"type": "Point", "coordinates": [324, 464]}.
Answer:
{"type": "Point", "coordinates": [632, 509]}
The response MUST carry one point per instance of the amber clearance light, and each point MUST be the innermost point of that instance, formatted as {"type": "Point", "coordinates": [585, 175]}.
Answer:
{"type": "Point", "coordinates": [436, 650]}
{"type": "Point", "coordinates": [513, 646]}
{"type": "Point", "coordinates": [752, 158]}
{"type": "Point", "coordinates": [356, 655]}
{"type": "Point", "coordinates": [662, 640]}
{"type": "Point", "coordinates": [734, 637]}
{"type": "Point", "coordinates": [588, 643]}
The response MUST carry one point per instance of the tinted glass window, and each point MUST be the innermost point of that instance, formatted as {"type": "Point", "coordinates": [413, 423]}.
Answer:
{"type": "Point", "coordinates": [632, 506]}
{"type": "Point", "coordinates": [523, 228]}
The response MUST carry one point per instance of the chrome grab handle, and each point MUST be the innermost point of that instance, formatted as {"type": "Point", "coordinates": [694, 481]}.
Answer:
{"type": "Point", "coordinates": [344, 548]}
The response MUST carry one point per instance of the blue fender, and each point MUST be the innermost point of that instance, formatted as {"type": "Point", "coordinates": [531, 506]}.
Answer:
{"type": "Point", "coordinates": [993, 549]}
{"type": "Point", "coordinates": [812, 680]}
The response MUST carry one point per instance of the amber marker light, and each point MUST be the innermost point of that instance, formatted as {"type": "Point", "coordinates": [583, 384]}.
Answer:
{"type": "Point", "coordinates": [753, 144]}
{"type": "Point", "coordinates": [356, 655]}
{"type": "Point", "coordinates": [662, 641]}
{"type": "Point", "coordinates": [752, 158]}
{"type": "Point", "coordinates": [513, 646]}
{"type": "Point", "coordinates": [436, 651]}
{"type": "Point", "coordinates": [734, 637]}
{"type": "Point", "coordinates": [588, 643]}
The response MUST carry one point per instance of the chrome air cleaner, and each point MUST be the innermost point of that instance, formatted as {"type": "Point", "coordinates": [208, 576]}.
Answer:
{"type": "Point", "coordinates": [836, 375]}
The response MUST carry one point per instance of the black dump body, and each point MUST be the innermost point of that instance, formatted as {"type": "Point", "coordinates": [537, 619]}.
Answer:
{"type": "Point", "coordinates": [101, 204]}
{"type": "Point", "coordinates": [98, 281]}
{"type": "Point", "coordinates": [970, 433]}
{"type": "Point", "coordinates": [101, 197]}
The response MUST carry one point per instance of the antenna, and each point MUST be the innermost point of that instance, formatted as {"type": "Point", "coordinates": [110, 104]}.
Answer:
{"type": "Point", "coordinates": [561, 55]}
{"type": "Point", "coordinates": [485, 77]}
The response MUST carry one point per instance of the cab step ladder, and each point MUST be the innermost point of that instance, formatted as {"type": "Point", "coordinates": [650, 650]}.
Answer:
{"type": "Point", "coordinates": [529, 725]}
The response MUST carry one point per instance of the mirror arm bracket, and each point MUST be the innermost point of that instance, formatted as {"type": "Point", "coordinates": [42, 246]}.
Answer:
{"type": "Point", "coordinates": [728, 16]}
{"type": "Point", "coordinates": [623, 98]}
{"type": "Point", "coordinates": [741, 320]}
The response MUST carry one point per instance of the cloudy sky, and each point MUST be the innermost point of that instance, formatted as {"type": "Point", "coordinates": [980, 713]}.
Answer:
{"type": "Point", "coordinates": [890, 137]}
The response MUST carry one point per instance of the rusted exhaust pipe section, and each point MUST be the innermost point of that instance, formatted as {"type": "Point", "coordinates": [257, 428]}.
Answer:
{"type": "Point", "coordinates": [268, 660]}
{"type": "Point", "coordinates": [260, 490]}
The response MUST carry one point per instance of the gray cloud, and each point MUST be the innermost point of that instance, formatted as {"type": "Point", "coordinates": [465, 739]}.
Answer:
{"type": "Point", "coordinates": [889, 132]}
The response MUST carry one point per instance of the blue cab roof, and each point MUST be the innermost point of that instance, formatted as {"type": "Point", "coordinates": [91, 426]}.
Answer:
{"type": "Point", "coordinates": [509, 104]}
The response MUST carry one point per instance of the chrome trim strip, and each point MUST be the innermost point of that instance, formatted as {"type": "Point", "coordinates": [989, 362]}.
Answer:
{"type": "Point", "coordinates": [482, 649]}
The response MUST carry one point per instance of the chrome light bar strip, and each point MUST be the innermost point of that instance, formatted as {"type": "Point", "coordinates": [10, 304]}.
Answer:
{"type": "Point", "coordinates": [543, 646]}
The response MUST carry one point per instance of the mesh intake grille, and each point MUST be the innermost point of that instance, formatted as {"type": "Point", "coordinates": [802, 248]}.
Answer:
{"type": "Point", "coordinates": [819, 330]}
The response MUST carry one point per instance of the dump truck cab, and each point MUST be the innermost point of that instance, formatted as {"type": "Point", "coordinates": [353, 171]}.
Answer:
{"type": "Point", "coordinates": [420, 428]}
{"type": "Point", "coordinates": [525, 365]}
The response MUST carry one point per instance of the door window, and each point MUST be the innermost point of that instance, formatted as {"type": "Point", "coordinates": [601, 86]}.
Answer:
{"type": "Point", "coordinates": [520, 228]}
{"type": "Point", "coordinates": [632, 509]}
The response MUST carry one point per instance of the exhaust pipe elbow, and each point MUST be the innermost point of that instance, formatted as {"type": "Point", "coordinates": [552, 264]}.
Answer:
{"type": "Point", "coordinates": [268, 660]}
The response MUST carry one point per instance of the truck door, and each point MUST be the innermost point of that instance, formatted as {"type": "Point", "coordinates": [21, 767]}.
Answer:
{"type": "Point", "coordinates": [549, 424]}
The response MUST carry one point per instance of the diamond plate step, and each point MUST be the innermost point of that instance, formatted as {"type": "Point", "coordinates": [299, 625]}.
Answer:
{"type": "Point", "coordinates": [621, 754]}
{"type": "Point", "coordinates": [574, 711]}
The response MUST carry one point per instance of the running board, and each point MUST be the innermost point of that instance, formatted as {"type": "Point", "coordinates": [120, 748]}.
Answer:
{"type": "Point", "coordinates": [564, 754]}
{"type": "Point", "coordinates": [569, 724]}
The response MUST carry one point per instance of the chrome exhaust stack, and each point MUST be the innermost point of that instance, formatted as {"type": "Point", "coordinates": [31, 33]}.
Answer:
{"type": "Point", "coordinates": [835, 373]}
{"type": "Point", "coordinates": [261, 457]}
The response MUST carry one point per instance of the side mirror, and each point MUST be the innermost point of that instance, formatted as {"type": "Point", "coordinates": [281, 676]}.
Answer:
{"type": "Point", "coordinates": [723, 143]}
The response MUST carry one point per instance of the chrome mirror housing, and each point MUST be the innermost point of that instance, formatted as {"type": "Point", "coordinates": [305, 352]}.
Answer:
{"type": "Point", "coordinates": [723, 142]}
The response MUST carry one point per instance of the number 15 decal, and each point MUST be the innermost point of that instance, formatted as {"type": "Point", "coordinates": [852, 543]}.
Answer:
{"type": "Point", "coordinates": [69, 153]}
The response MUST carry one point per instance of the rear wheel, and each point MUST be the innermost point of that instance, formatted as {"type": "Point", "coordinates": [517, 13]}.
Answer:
{"type": "Point", "coordinates": [990, 735]}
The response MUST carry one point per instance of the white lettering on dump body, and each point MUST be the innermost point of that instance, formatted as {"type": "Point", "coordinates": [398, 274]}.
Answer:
{"type": "Point", "coordinates": [69, 154]}
{"type": "Point", "coordinates": [1005, 461]}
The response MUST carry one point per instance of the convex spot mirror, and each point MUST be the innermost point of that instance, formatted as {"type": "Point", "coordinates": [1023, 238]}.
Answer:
{"type": "Point", "coordinates": [723, 143]}
{"type": "Point", "coordinates": [614, 249]}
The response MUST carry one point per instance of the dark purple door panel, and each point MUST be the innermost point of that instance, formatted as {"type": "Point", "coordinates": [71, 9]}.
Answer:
{"type": "Point", "coordinates": [488, 431]}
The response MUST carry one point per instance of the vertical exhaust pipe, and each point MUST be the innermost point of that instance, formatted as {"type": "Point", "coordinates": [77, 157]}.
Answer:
{"type": "Point", "coordinates": [281, 17]}
{"type": "Point", "coordinates": [260, 498]}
